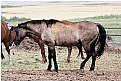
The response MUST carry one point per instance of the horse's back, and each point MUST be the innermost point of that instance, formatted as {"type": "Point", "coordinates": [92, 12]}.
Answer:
{"type": "Point", "coordinates": [68, 22]}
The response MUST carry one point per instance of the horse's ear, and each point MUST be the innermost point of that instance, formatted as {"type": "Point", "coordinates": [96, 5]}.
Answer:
{"type": "Point", "coordinates": [18, 25]}
{"type": "Point", "coordinates": [12, 27]}
{"type": "Point", "coordinates": [21, 25]}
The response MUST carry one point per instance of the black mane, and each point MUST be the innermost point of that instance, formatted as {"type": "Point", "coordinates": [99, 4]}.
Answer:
{"type": "Point", "coordinates": [51, 21]}
{"type": "Point", "coordinates": [48, 22]}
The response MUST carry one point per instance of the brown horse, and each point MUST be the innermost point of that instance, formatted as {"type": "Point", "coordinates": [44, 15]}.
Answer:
{"type": "Point", "coordinates": [56, 33]}
{"type": "Point", "coordinates": [22, 33]}
{"type": "Point", "coordinates": [5, 38]}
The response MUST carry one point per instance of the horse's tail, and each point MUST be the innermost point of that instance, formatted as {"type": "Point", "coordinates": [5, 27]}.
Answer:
{"type": "Point", "coordinates": [101, 40]}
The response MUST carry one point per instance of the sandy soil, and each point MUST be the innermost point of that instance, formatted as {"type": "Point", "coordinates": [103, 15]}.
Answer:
{"type": "Point", "coordinates": [61, 11]}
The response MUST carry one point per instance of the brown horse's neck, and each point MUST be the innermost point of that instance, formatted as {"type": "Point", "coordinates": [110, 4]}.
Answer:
{"type": "Point", "coordinates": [5, 32]}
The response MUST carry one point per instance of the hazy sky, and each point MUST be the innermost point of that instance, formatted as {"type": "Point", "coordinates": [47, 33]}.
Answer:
{"type": "Point", "coordinates": [21, 3]}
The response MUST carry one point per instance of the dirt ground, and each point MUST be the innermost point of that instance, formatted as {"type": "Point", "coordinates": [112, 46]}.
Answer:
{"type": "Point", "coordinates": [62, 75]}
{"type": "Point", "coordinates": [25, 68]}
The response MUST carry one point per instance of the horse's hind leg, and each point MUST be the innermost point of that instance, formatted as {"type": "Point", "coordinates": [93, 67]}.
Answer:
{"type": "Point", "coordinates": [84, 62]}
{"type": "Point", "coordinates": [93, 54]}
{"type": "Point", "coordinates": [52, 54]}
{"type": "Point", "coordinates": [93, 62]}
{"type": "Point", "coordinates": [69, 54]}
{"type": "Point", "coordinates": [92, 48]}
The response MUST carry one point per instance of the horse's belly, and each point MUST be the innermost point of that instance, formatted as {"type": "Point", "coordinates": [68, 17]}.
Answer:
{"type": "Point", "coordinates": [66, 43]}
{"type": "Point", "coordinates": [66, 39]}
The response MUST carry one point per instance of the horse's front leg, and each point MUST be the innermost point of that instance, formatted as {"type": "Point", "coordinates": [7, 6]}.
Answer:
{"type": "Point", "coordinates": [69, 54]}
{"type": "Point", "coordinates": [52, 54]}
{"type": "Point", "coordinates": [41, 45]}
{"type": "Point", "coordinates": [8, 50]}
{"type": "Point", "coordinates": [2, 56]}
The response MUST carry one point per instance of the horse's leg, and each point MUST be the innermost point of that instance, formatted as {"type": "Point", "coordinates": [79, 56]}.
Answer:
{"type": "Point", "coordinates": [92, 49]}
{"type": "Point", "coordinates": [69, 54]}
{"type": "Point", "coordinates": [54, 60]}
{"type": "Point", "coordinates": [41, 45]}
{"type": "Point", "coordinates": [8, 50]}
{"type": "Point", "coordinates": [80, 51]}
{"type": "Point", "coordinates": [2, 56]}
{"type": "Point", "coordinates": [49, 58]}
{"type": "Point", "coordinates": [11, 48]}
{"type": "Point", "coordinates": [93, 62]}
{"type": "Point", "coordinates": [52, 54]}
{"type": "Point", "coordinates": [84, 62]}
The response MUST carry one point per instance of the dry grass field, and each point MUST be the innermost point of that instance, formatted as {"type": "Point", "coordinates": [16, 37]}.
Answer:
{"type": "Point", "coordinates": [62, 11]}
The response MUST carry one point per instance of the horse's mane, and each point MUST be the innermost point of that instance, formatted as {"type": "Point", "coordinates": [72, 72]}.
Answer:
{"type": "Point", "coordinates": [48, 22]}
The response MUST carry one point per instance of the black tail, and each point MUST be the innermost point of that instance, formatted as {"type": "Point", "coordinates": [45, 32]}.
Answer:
{"type": "Point", "coordinates": [101, 40]}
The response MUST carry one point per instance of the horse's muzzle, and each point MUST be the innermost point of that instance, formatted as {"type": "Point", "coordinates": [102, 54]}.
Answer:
{"type": "Point", "coordinates": [16, 43]}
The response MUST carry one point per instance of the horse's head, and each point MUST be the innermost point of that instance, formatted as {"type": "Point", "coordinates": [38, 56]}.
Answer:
{"type": "Point", "coordinates": [12, 34]}
{"type": "Point", "coordinates": [20, 35]}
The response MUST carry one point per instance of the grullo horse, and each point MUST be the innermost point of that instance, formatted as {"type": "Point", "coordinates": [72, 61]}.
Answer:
{"type": "Point", "coordinates": [56, 33]}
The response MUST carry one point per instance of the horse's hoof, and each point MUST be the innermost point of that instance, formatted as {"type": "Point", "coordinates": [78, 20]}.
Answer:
{"type": "Point", "coordinates": [3, 58]}
{"type": "Point", "coordinates": [83, 57]}
{"type": "Point", "coordinates": [56, 70]}
{"type": "Point", "coordinates": [82, 70]}
{"type": "Point", "coordinates": [91, 70]}
{"type": "Point", "coordinates": [48, 70]}
{"type": "Point", "coordinates": [43, 62]}
{"type": "Point", "coordinates": [68, 61]}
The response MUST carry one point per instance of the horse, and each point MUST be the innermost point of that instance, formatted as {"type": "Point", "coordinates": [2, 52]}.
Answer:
{"type": "Point", "coordinates": [22, 33]}
{"type": "Point", "coordinates": [56, 33]}
{"type": "Point", "coordinates": [5, 38]}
